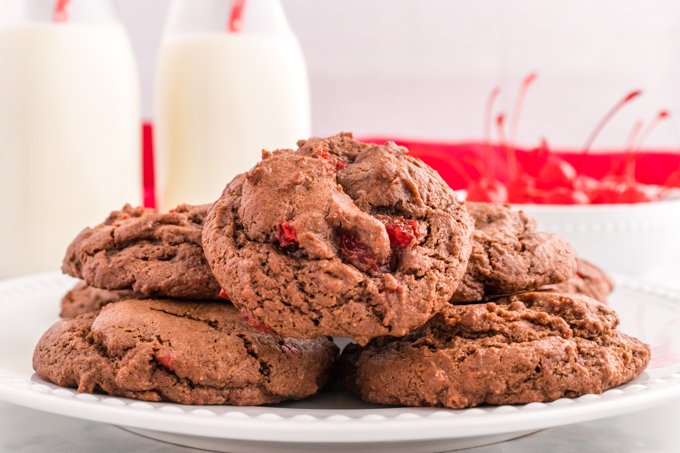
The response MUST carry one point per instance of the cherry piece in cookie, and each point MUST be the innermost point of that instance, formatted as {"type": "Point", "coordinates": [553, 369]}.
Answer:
{"type": "Point", "coordinates": [166, 360]}
{"type": "Point", "coordinates": [402, 232]}
{"type": "Point", "coordinates": [287, 234]}
{"type": "Point", "coordinates": [252, 322]}
{"type": "Point", "coordinates": [335, 163]}
{"type": "Point", "coordinates": [358, 253]}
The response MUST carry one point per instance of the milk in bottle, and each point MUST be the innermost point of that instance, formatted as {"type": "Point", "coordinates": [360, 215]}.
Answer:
{"type": "Point", "coordinates": [223, 95]}
{"type": "Point", "coordinates": [69, 129]}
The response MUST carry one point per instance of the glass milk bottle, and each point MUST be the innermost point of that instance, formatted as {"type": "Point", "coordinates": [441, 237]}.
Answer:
{"type": "Point", "coordinates": [69, 126]}
{"type": "Point", "coordinates": [231, 81]}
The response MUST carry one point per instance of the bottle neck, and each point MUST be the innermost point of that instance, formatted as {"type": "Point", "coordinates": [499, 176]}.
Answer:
{"type": "Point", "coordinates": [43, 11]}
{"type": "Point", "coordinates": [195, 16]}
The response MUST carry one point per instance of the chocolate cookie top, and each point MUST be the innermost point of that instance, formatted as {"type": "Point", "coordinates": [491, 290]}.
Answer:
{"type": "Point", "coordinates": [150, 253]}
{"type": "Point", "coordinates": [338, 238]}
{"type": "Point", "coordinates": [509, 255]}
{"type": "Point", "coordinates": [83, 298]}
{"type": "Point", "coordinates": [186, 352]}
{"type": "Point", "coordinates": [588, 280]}
{"type": "Point", "coordinates": [525, 348]}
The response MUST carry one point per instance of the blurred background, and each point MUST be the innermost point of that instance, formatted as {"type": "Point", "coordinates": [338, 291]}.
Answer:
{"type": "Point", "coordinates": [409, 68]}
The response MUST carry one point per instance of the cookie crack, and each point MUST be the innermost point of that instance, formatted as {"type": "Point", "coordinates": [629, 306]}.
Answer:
{"type": "Point", "coordinates": [265, 370]}
{"type": "Point", "coordinates": [209, 322]}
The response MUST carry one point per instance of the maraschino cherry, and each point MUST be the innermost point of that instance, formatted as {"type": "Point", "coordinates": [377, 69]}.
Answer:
{"type": "Point", "coordinates": [551, 179]}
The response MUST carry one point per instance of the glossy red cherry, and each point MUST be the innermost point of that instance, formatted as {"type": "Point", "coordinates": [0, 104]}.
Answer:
{"type": "Point", "coordinates": [585, 183]}
{"type": "Point", "coordinates": [522, 190]}
{"type": "Point", "coordinates": [354, 250]}
{"type": "Point", "coordinates": [223, 295]}
{"type": "Point", "coordinates": [673, 179]}
{"type": "Point", "coordinates": [556, 173]}
{"type": "Point", "coordinates": [563, 195]}
{"type": "Point", "coordinates": [402, 232]}
{"type": "Point", "coordinates": [608, 191]}
{"type": "Point", "coordinates": [487, 190]}
{"type": "Point", "coordinates": [635, 193]}
{"type": "Point", "coordinates": [287, 234]}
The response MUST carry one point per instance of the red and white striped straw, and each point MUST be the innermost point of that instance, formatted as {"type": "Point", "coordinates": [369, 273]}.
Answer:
{"type": "Point", "coordinates": [60, 13]}
{"type": "Point", "coordinates": [236, 16]}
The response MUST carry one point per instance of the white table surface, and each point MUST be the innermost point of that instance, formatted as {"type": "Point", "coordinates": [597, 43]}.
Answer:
{"type": "Point", "coordinates": [654, 430]}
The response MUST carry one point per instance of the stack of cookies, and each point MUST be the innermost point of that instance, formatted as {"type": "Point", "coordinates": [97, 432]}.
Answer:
{"type": "Point", "coordinates": [449, 304]}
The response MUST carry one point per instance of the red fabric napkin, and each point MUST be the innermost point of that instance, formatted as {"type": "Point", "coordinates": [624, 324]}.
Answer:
{"type": "Point", "coordinates": [452, 159]}
{"type": "Point", "coordinates": [456, 161]}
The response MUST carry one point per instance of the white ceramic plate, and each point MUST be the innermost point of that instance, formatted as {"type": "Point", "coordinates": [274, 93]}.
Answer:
{"type": "Point", "coordinates": [333, 420]}
{"type": "Point", "coordinates": [627, 238]}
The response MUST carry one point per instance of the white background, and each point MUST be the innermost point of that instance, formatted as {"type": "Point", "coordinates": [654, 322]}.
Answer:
{"type": "Point", "coordinates": [414, 68]}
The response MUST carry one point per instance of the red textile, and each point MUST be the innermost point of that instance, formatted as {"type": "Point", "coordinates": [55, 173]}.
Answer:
{"type": "Point", "coordinates": [451, 159]}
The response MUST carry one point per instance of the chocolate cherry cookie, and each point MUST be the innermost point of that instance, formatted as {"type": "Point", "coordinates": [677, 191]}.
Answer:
{"type": "Point", "coordinates": [588, 280]}
{"type": "Point", "coordinates": [525, 348]}
{"type": "Point", "coordinates": [145, 251]}
{"type": "Point", "coordinates": [338, 238]}
{"type": "Point", "coordinates": [509, 255]}
{"type": "Point", "coordinates": [83, 298]}
{"type": "Point", "coordinates": [181, 351]}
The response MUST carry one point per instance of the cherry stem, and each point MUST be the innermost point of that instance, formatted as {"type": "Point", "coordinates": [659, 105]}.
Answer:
{"type": "Point", "coordinates": [631, 158]}
{"type": "Point", "coordinates": [488, 113]}
{"type": "Point", "coordinates": [236, 16]}
{"type": "Point", "coordinates": [608, 116]}
{"type": "Point", "coordinates": [630, 145]}
{"type": "Point", "coordinates": [488, 121]}
{"type": "Point", "coordinates": [632, 136]}
{"type": "Point", "coordinates": [519, 103]}
{"type": "Point", "coordinates": [60, 13]}
{"type": "Point", "coordinates": [510, 154]}
{"type": "Point", "coordinates": [514, 124]}
{"type": "Point", "coordinates": [646, 132]}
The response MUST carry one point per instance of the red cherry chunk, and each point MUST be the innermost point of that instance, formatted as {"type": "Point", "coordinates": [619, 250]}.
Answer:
{"type": "Point", "coordinates": [354, 250]}
{"type": "Point", "coordinates": [166, 360]}
{"type": "Point", "coordinates": [287, 234]}
{"type": "Point", "coordinates": [223, 295]}
{"type": "Point", "coordinates": [336, 164]}
{"type": "Point", "coordinates": [402, 232]}
{"type": "Point", "coordinates": [255, 324]}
